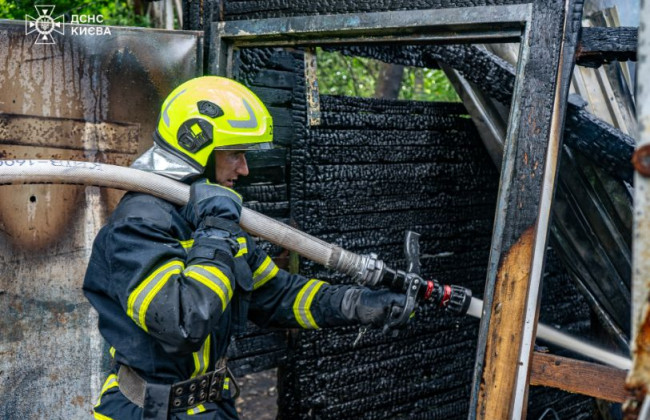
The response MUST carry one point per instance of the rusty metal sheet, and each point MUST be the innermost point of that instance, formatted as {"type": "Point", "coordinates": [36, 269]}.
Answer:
{"type": "Point", "coordinates": [639, 378]}
{"type": "Point", "coordinates": [85, 97]}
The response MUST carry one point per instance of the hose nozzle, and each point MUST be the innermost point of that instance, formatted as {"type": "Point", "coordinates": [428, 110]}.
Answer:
{"type": "Point", "coordinates": [459, 300]}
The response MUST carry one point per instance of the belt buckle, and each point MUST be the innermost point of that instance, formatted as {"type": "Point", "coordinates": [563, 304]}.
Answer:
{"type": "Point", "coordinates": [190, 393]}
{"type": "Point", "coordinates": [216, 384]}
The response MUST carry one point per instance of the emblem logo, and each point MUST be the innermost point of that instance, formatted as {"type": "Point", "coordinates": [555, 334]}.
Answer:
{"type": "Point", "coordinates": [44, 24]}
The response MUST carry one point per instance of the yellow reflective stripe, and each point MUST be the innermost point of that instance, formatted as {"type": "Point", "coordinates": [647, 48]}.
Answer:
{"type": "Point", "coordinates": [201, 358]}
{"type": "Point", "coordinates": [226, 383]}
{"type": "Point", "coordinates": [100, 416]}
{"type": "Point", "coordinates": [265, 272]}
{"type": "Point", "coordinates": [187, 244]}
{"type": "Point", "coordinates": [110, 382]}
{"type": "Point", "coordinates": [262, 267]}
{"type": "Point", "coordinates": [214, 279]}
{"type": "Point", "coordinates": [302, 304]}
{"type": "Point", "coordinates": [206, 355]}
{"type": "Point", "coordinates": [268, 277]}
{"type": "Point", "coordinates": [112, 351]}
{"type": "Point", "coordinates": [196, 410]}
{"type": "Point", "coordinates": [243, 247]}
{"type": "Point", "coordinates": [232, 191]}
{"type": "Point", "coordinates": [149, 287]}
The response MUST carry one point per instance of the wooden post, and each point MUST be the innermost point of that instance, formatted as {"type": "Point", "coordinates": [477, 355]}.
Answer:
{"type": "Point", "coordinates": [528, 175]}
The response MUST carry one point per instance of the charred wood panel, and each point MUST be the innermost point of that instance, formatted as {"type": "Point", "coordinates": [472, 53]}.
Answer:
{"type": "Point", "coordinates": [597, 156]}
{"type": "Point", "coordinates": [365, 201]}
{"type": "Point", "coordinates": [602, 143]}
{"type": "Point", "coordinates": [354, 199]}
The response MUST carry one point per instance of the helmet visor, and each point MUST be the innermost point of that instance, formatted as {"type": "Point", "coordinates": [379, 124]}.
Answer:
{"type": "Point", "coordinates": [247, 147]}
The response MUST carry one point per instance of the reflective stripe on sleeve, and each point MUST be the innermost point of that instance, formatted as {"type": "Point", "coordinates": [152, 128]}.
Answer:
{"type": "Point", "coordinates": [142, 296]}
{"type": "Point", "coordinates": [100, 416]}
{"type": "Point", "coordinates": [243, 247]}
{"type": "Point", "coordinates": [201, 358]}
{"type": "Point", "coordinates": [302, 304]}
{"type": "Point", "coordinates": [196, 410]}
{"type": "Point", "coordinates": [110, 382]}
{"type": "Point", "coordinates": [265, 272]}
{"type": "Point", "coordinates": [187, 244]}
{"type": "Point", "coordinates": [214, 279]}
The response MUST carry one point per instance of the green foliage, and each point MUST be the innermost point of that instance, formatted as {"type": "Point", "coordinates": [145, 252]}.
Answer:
{"type": "Point", "coordinates": [356, 76]}
{"type": "Point", "coordinates": [349, 76]}
{"type": "Point", "coordinates": [117, 13]}
{"type": "Point", "coordinates": [421, 84]}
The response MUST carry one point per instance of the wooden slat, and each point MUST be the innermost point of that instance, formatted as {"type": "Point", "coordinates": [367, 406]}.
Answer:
{"type": "Point", "coordinates": [603, 382]}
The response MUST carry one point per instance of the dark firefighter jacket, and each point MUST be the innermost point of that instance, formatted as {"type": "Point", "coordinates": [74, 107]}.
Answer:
{"type": "Point", "coordinates": [168, 305]}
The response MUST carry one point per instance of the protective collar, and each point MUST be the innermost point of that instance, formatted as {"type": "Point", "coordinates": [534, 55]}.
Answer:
{"type": "Point", "coordinates": [165, 163]}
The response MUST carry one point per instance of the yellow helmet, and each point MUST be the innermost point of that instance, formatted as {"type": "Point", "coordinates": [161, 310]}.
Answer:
{"type": "Point", "coordinates": [212, 112]}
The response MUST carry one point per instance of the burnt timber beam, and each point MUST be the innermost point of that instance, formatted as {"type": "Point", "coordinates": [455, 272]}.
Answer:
{"type": "Point", "coordinates": [454, 25]}
{"type": "Point", "coordinates": [599, 46]}
{"type": "Point", "coordinates": [533, 142]}
{"type": "Point", "coordinates": [603, 382]}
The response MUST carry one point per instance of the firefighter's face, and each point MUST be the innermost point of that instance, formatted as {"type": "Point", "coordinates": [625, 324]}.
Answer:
{"type": "Point", "coordinates": [230, 164]}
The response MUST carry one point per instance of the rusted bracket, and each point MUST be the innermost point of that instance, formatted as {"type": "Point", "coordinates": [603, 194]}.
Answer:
{"type": "Point", "coordinates": [533, 142]}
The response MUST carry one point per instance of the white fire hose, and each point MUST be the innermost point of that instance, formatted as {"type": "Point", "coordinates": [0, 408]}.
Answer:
{"type": "Point", "coordinates": [361, 267]}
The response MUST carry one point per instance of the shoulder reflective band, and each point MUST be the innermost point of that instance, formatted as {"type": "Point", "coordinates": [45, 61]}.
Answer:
{"type": "Point", "coordinates": [142, 296]}
{"type": "Point", "coordinates": [302, 304]}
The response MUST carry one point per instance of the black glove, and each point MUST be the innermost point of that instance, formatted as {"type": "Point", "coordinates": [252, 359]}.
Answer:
{"type": "Point", "coordinates": [370, 307]}
{"type": "Point", "coordinates": [214, 210]}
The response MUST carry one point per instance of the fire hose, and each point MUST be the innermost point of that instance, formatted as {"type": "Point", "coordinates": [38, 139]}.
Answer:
{"type": "Point", "coordinates": [367, 270]}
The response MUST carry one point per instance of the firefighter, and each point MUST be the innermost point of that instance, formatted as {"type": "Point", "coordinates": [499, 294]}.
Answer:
{"type": "Point", "coordinates": [172, 284]}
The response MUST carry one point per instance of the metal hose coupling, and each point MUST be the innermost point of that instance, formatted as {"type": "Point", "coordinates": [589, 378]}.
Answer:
{"type": "Point", "coordinates": [369, 270]}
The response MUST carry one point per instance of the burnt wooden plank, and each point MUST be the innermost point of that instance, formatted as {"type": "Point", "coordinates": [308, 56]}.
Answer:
{"type": "Point", "coordinates": [603, 45]}
{"type": "Point", "coordinates": [527, 183]}
{"type": "Point", "coordinates": [603, 382]}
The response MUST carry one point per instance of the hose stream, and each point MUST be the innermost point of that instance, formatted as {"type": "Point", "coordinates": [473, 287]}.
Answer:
{"type": "Point", "coordinates": [24, 171]}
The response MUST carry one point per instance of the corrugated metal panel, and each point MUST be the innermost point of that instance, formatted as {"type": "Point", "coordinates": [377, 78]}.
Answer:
{"type": "Point", "coordinates": [84, 97]}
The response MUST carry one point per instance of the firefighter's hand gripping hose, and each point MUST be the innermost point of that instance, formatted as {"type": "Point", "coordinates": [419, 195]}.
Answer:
{"type": "Point", "coordinates": [368, 270]}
